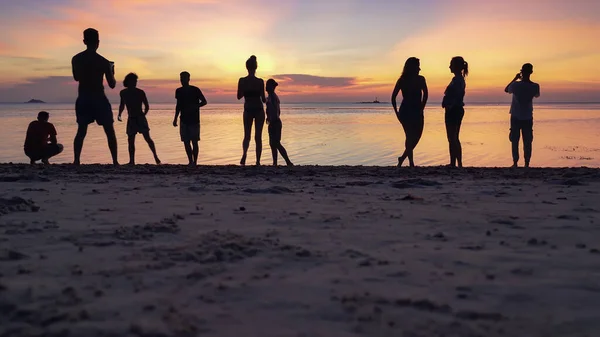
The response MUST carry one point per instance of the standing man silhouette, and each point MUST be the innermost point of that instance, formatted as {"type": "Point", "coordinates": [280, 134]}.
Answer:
{"type": "Point", "coordinates": [89, 69]}
{"type": "Point", "coordinates": [189, 101]}
{"type": "Point", "coordinates": [521, 112]}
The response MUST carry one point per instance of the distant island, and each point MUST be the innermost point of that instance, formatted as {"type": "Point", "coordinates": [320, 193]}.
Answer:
{"type": "Point", "coordinates": [33, 100]}
{"type": "Point", "coordinates": [372, 102]}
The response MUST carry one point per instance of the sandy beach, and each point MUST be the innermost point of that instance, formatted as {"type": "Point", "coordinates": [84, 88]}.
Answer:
{"type": "Point", "coordinates": [304, 251]}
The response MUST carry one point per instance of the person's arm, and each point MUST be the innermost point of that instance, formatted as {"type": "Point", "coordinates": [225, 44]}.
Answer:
{"type": "Point", "coordinates": [75, 68]}
{"type": "Point", "coordinates": [425, 94]}
{"type": "Point", "coordinates": [110, 76]}
{"type": "Point", "coordinates": [508, 88]}
{"type": "Point", "coordinates": [453, 91]}
{"type": "Point", "coordinates": [395, 95]}
{"type": "Point", "coordinates": [53, 139]}
{"type": "Point", "coordinates": [262, 95]}
{"type": "Point", "coordinates": [278, 107]}
{"type": "Point", "coordinates": [177, 108]}
{"type": "Point", "coordinates": [537, 93]}
{"type": "Point", "coordinates": [145, 102]}
{"type": "Point", "coordinates": [121, 107]}
{"type": "Point", "coordinates": [203, 101]}
{"type": "Point", "coordinates": [240, 91]}
{"type": "Point", "coordinates": [270, 108]}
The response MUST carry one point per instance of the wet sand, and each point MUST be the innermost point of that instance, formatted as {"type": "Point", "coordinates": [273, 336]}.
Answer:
{"type": "Point", "coordinates": [303, 251]}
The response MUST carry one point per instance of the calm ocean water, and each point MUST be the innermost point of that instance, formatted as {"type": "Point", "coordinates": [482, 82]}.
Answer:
{"type": "Point", "coordinates": [328, 134]}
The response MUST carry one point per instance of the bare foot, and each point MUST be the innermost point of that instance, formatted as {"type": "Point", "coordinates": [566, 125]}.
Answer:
{"type": "Point", "coordinates": [116, 163]}
{"type": "Point", "coordinates": [77, 163]}
{"type": "Point", "coordinates": [131, 163]}
{"type": "Point", "coordinates": [290, 164]}
{"type": "Point", "coordinates": [157, 161]}
{"type": "Point", "coordinates": [243, 160]}
{"type": "Point", "coordinates": [45, 162]}
{"type": "Point", "coordinates": [401, 161]}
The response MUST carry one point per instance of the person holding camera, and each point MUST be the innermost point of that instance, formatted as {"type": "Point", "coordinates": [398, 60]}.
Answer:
{"type": "Point", "coordinates": [523, 92]}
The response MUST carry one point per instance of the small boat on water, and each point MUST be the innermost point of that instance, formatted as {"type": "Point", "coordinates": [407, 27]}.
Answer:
{"type": "Point", "coordinates": [376, 101]}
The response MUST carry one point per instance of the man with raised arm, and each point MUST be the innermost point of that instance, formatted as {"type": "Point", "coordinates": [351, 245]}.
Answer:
{"type": "Point", "coordinates": [90, 69]}
{"type": "Point", "coordinates": [521, 112]}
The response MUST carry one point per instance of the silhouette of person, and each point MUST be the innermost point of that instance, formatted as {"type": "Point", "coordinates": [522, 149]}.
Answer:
{"type": "Point", "coordinates": [189, 101]}
{"type": "Point", "coordinates": [252, 89]}
{"type": "Point", "coordinates": [523, 92]}
{"type": "Point", "coordinates": [133, 98]}
{"type": "Point", "coordinates": [275, 124]}
{"type": "Point", "coordinates": [89, 69]}
{"type": "Point", "coordinates": [40, 141]}
{"type": "Point", "coordinates": [414, 99]}
{"type": "Point", "coordinates": [453, 103]}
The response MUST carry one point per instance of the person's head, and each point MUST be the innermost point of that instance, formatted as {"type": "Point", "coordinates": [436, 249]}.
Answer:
{"type": "Point", "coordinates": [91, 38]}
{"type": "Point", "coordinates": [130, 80]}
{"type": "Point", "coordinates": [251, 64]}
{"type": "Point", "coordinates": [271, 85]}
{"type": "Point", "coordinates": [412, 67]}
{"type": "Point", "coordinates": [43, 116]}
{"type": "Point", "coordinates": [184, 78]}
{"type": "Point", "coordinates": [527, 70]}
{"type": "Point", "coordinates": [458, 65]}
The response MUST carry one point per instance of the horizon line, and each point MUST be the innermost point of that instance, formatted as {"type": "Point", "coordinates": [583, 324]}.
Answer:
{"type": "Point", "coordinates": [323, 102]}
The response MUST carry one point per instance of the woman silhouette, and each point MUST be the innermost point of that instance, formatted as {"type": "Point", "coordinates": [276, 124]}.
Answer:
{"type": "Point", "coordinates": [414, 98]}
{"type": "Point", "coordinates": [252, 89]}
{"type": "Point", "coordinates": [454, 104]}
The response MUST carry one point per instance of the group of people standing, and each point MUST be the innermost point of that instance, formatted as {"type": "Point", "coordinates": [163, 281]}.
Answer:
{"type": "Point", "coordinates": [415, 95]}
{"type": "Point", "coordinates": [92, 105]}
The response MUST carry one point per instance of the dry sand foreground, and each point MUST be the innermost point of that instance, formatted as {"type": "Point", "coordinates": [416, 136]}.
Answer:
{"type": "Point", "coordinates": [308, 251]}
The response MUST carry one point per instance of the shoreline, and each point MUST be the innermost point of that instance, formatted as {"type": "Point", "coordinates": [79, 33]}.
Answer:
{"type": "Point", "coordinates": [97, 250]}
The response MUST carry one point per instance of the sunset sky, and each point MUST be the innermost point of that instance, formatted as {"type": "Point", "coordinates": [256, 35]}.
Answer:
{"type": "Point", "coordinates": [319, 50]}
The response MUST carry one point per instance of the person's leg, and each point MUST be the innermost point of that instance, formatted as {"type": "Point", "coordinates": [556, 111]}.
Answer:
{"type": "Point", "coordinates": [416, 137]}
{"type": "Point", "coordinates": [33, 157]}
{"type": "Point", "coordinates": [274, 151]}
{"type": "Point", "coordinates": [450, 134]}
{"type": "Point", "coordinates": [247, 134]}
{"type": "Point", "coordinates": [78, 142]}
{"type": "Point", "coordinates": [131, 143]}
{"type": "Point", "coordinates": [458, 146]}
{"type": "Point", "coordinates": [280, 147]}
{"type": "Point", "coordinates": [273, 143]}
{"type": "Point", "coordinates": [51, 151]}
{"type": "Point", "coordinates": [406, 129]}
{"type": "Point", "coordinates": [150, 142]}
{"type": "Point", "coordinates": [409, 145]}
{"type": "Point", "coordinates": [260, 122]}
{"type": "Point", "coordinates": [111, 137]}
{"type": "Point", "coordinates": [515, 136]}
{"type": "Point", "coordinates": [195, 151]}
{"type": "Point", "coordinates": [527, 140]}
{"type": "Point", "coordinates": [284, 154]}
{"type": "Point", "coordinates": [189, 152]}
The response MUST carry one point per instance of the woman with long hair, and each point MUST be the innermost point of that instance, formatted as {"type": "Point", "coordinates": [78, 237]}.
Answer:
{"type": "Point", "coordinates": [454, 104]}
{"type": "Point", "coordinates": [252, 89]}
{"type": "Point", "coordinates": [414, 99]}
